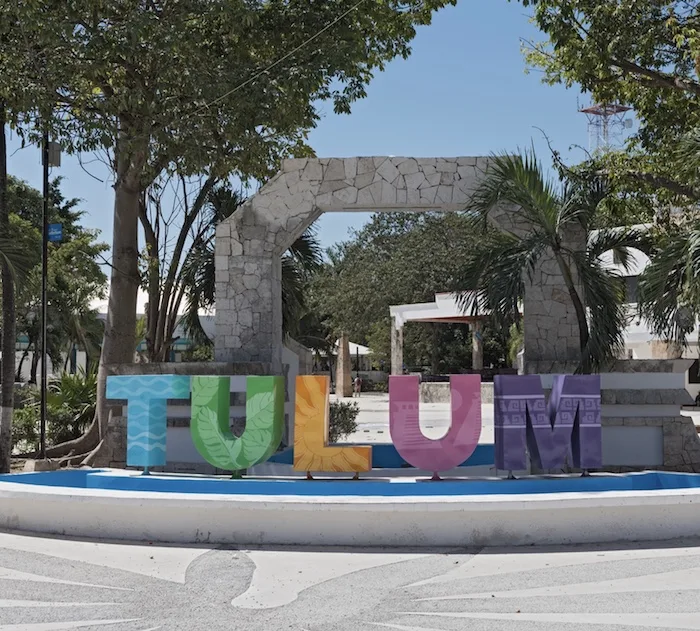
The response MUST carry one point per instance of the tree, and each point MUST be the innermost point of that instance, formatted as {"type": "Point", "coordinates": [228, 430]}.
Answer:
{"type": "Point", "coordinates": [645, 54]}
{"type": "Point", "coordinates": [496, 268]}
{"type": "Point", "coordinates": [669, 292]}
{"type": "Point", "coordinates": [201, 87]}
{"type": "Point", "coordinates": [165, 259]}
{"type": "Point", "coordinates": [30, 79]}
{"type": "Point", "coordinates": [75, 278]}
{"type": "Point", "coordinates": [17, 256]}
{"type": "Point", "coordinates": [399, 258]}
{"type": "Point", "coordinates": [197, 277]}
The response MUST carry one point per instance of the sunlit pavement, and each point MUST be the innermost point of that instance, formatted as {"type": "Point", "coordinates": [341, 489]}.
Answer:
{"type": "Point", "coordinates": [373, 419]}
{"type": "Point", "coordinates": [51, 585]}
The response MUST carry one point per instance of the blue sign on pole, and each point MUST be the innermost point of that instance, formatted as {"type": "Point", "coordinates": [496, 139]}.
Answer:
{"type": "Point", "coordinates": [55, 232]}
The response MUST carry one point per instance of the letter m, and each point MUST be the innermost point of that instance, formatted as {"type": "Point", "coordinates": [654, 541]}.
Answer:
{"type": "Point", "coordinates": [569, 424]}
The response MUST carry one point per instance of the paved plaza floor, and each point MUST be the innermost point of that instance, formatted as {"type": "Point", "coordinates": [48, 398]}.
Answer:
{"type": "Point", "coordinates": [373, 419]}
{"type": "Point", "coordinates": [55, 584]}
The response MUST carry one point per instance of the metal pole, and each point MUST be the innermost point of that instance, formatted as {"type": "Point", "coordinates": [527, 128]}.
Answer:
{"type": "Point", "coordinates": [44, 275]}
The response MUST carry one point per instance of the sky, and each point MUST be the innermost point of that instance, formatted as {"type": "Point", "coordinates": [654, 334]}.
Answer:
{"type": "Point", "coordinates": [463, 91]}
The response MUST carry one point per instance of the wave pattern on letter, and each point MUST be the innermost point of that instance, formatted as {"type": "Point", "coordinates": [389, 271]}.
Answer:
{"type": "Point", "coordinates": [146, 413]}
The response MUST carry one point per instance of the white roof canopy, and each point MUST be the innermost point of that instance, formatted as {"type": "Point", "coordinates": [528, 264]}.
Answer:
{"type": "Point", "coordinates": [446, 308]}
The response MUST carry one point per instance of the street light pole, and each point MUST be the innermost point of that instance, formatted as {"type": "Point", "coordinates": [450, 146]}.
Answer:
{"type": "Point", "coordinates": [44, 275]}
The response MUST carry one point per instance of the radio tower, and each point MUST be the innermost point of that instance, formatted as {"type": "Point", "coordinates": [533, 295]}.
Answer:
{"type": "Point", "coordinates": [606, 123]}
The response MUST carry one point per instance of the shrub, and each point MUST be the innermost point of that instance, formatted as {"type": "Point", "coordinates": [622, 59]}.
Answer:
{"type": "Point", "coordinates": [25, 430]}
{"type": "Point", "coordinates": [70, 407]}
{"type": "Point", "coordinates": [342, 421]}
{"type": "Point", "coordinates": [374, 386]}
{"type": "Point", "coordinates": [199, 354]}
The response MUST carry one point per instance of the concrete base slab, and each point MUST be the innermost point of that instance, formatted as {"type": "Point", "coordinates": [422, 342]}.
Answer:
{"type": "Point", "coordinates": [409, 513]}
{"type": "Point", "coordinates": [31, 466]}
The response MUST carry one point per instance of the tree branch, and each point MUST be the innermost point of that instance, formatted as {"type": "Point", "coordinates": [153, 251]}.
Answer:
{"type": "Point", "coordinates": [660, 79]}
{"type": "Point", "coordinates": [660, 181]}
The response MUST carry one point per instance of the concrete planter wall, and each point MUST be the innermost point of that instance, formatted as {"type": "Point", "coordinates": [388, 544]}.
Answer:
{"type": "Point", "coordinates": [641, 403]}
{"type": "Point", "coordinates": [438, 392]}
{"type": "Point", "coordinates": [642, 423]}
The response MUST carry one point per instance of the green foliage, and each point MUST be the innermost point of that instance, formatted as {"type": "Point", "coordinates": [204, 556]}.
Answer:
{"type": "Point", "coordinates": [342, 421]}
{"type": "Point", "coordinates": [188, 81]}
{"type": "Point", "coordinates": [645, 54]}
{"type": "Point", "coordinates": [516, 342]}
{"type": "Point", "coordinates": [551, 214]}
{"type": "Point", "coordinates": [199, 354]}
{"type": "Point", "coordinates": [399, 258]}
{"type": "Point", "coordinates": [75, 277]}
{"type": "Point", "coordinates": [669, 292]}
{"type": "Point", "coordinates": [25, 430]}
{"type": "Point", "coordinates": [70, 408]}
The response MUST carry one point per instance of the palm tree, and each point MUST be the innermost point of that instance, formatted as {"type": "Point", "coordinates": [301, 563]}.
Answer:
{"type": "Point", "coordinates": [669, 290]}
{"type": "Point", "coordinates": [13, 264]}
{"type": "Point", "coordinates": [546, 212]}
{"type": "Point", "coordinates": [300, 261]}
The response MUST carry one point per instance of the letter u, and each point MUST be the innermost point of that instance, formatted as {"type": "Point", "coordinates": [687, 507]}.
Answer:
{"type": "Point", "coordinates": [462, 437]}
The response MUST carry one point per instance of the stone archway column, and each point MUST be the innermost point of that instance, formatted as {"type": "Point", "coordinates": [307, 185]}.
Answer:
{"type": "Point", "coordinates": [248, 301]}
{"type": "Point", "coordinates": [396, 348]}
{"type": "Point", "coordinates": [477, 345]}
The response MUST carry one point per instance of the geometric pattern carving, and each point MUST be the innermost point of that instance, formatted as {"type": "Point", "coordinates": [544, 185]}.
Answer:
{"type": "Point", "coordinates": [570, 424]}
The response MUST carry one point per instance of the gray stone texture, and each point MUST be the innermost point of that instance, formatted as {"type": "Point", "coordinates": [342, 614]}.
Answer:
{"type": "Point", "coordinates": [250, 243]}
{"type": "Point", "coordinates": [343, 374]}
{"type": "Point", "coordinates": [396, 348]}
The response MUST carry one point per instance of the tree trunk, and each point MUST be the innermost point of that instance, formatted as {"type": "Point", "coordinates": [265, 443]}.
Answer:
{"type": "Point", "coordinates": [18, 372]}
{"type": "Point", "coordinates": [35, 365]}
{"type": "Point", "coordinates": [9, 337]}
{"type": "Point", "coordinates": [119, 342]}
{"type": "Point", "coordinates": [120, 328]}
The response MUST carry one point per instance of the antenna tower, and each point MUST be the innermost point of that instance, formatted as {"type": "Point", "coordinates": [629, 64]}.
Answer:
{"type": "Point", "coordinates": [606, 123]}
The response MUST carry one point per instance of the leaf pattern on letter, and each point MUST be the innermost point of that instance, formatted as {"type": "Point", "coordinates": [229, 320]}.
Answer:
{"type": "Point", "coordinates": [311, 450]}
{"type": "Point", "coordinates": [210, 428]}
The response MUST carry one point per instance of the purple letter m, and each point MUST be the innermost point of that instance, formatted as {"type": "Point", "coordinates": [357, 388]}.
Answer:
{"type": "Point", "coordinates": [569, 424]}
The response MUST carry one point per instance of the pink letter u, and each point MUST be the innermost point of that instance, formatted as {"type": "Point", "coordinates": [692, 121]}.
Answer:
{"type": "Point", "coordinates": [461, 439]}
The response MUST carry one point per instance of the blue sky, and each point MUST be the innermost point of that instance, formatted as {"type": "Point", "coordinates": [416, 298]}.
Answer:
{"type": "Point", "coordinates": [463, 91]}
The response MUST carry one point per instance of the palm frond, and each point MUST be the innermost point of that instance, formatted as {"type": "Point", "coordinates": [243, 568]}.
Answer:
{"type": "Point", "coordinates": [619, 241]}
{"type": "Point", "coordinates": [604, 294]}
{"type": "Point", "coordinates": [494, 274]}
{"type": "Point", "coordinates": [15, 257]}
{"type": "Point", "coordinates": [668, 290]}
{"type": "Point", "coordinates": [518, 180]}
{"type": "Point", "coordinates": [306, 252]}
{"type": "Point", "coordinates": [198, 278]}
{"type": "Point", "coordinates": [292, 295]}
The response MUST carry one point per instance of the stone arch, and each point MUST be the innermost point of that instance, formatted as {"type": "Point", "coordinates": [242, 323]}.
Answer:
{"type": "Point", "coordinates": [250, 243]}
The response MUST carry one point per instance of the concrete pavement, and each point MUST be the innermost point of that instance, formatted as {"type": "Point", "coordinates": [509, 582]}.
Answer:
{"type": "Point", "coordinates": [58, 584]}
{"type": "Point", "coordinates": [373, 419]}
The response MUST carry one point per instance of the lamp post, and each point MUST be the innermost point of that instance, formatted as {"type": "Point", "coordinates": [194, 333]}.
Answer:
{"type": "Point", "coordinates": [50, 156]}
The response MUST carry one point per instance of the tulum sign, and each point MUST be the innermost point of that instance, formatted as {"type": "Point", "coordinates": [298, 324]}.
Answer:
{"type": "Point", "coordinates": [567, 427]}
